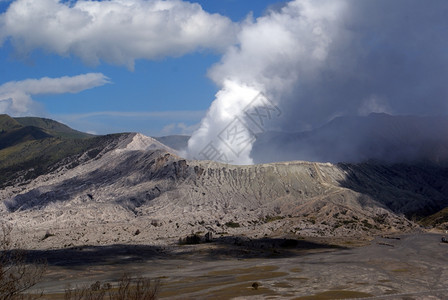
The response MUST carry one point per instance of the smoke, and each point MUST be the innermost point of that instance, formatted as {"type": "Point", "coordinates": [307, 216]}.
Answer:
{"type": "Point", "coordinates": [272, 53]}
{"type": "Point", "coordinates": [315, 60]}
{"type": "Point", "coordinates": [15, 96]}
{"type": "Point", "coordinates": [222, 124]}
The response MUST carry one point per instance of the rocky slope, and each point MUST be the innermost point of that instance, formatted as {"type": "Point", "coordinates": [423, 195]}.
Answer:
{"type": "Point", "coordinates": [31, 146]}
{"type": "Point", "coordinates": [137, 190]}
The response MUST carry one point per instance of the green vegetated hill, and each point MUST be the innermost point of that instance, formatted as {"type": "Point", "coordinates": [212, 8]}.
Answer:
{"type": "Point", "coordinates": [30, 146]}
{"type": "Point", "coordinates": [8, 123]}
{"type": "Point", "coordinates": [20, 135]}
{"type": "Point", "coordinates": [53, 127]}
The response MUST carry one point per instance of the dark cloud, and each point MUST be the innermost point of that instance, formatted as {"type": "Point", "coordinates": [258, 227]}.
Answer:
{"type": "Point", "coordinates": [390, 53]}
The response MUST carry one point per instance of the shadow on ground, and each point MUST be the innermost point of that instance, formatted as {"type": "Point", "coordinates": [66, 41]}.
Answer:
{"type": "Point", "coordinates": [220, 248]}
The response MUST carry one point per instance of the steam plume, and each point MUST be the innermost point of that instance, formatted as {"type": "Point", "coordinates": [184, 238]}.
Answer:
{"type": "Point", "coordinates": [316, 60]}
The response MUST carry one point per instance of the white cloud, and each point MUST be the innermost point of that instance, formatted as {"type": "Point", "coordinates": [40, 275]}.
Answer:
{"type": "Point", "coordinates": [15, 96]}
{"type": "Point", "coordinates": [65, 84]}
{"type": "Point", "coordinates": [115, 31]}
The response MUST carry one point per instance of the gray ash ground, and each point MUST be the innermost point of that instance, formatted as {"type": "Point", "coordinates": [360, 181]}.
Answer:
{"type": "Point", "coordinates": [411, 266]}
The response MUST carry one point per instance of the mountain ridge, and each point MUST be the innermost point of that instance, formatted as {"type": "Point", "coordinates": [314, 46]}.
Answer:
{"type": "Point", "coordinates": [110, 187]}
{"type": "Point", "coordinates": [8, 123]}
{"type": "Point", "coordinates": [30, 146]}
{"type": "Point", "coordinates": [170, 197]}
{"type": "Point", "coordinates": [54, 128]}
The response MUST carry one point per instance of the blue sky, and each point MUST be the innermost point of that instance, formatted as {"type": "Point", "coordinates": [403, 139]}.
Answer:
{"type": "Point", "coordinates": [165, 95]}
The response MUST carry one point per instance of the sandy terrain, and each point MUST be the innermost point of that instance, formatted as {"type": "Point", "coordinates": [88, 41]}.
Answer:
{"type": "Point", "coordinates": [413, 266]}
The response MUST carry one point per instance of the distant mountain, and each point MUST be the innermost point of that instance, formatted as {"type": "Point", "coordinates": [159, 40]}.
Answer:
{"type": "Point", "coordinates": [52, 127]}
{"type": "Point", "coordinates": [177, 142]}
{"type": "Point", "coordinates": [377, 137]}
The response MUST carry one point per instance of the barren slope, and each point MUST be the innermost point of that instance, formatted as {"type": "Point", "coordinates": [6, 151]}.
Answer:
{"type": "Point", "coordinates": [137, 192]}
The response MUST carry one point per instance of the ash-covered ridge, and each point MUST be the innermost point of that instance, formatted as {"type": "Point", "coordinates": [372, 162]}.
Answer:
{"type": "Point", "coordinates": [131, 189]}
{"type": "Point", "coordinates": [137, 186]}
